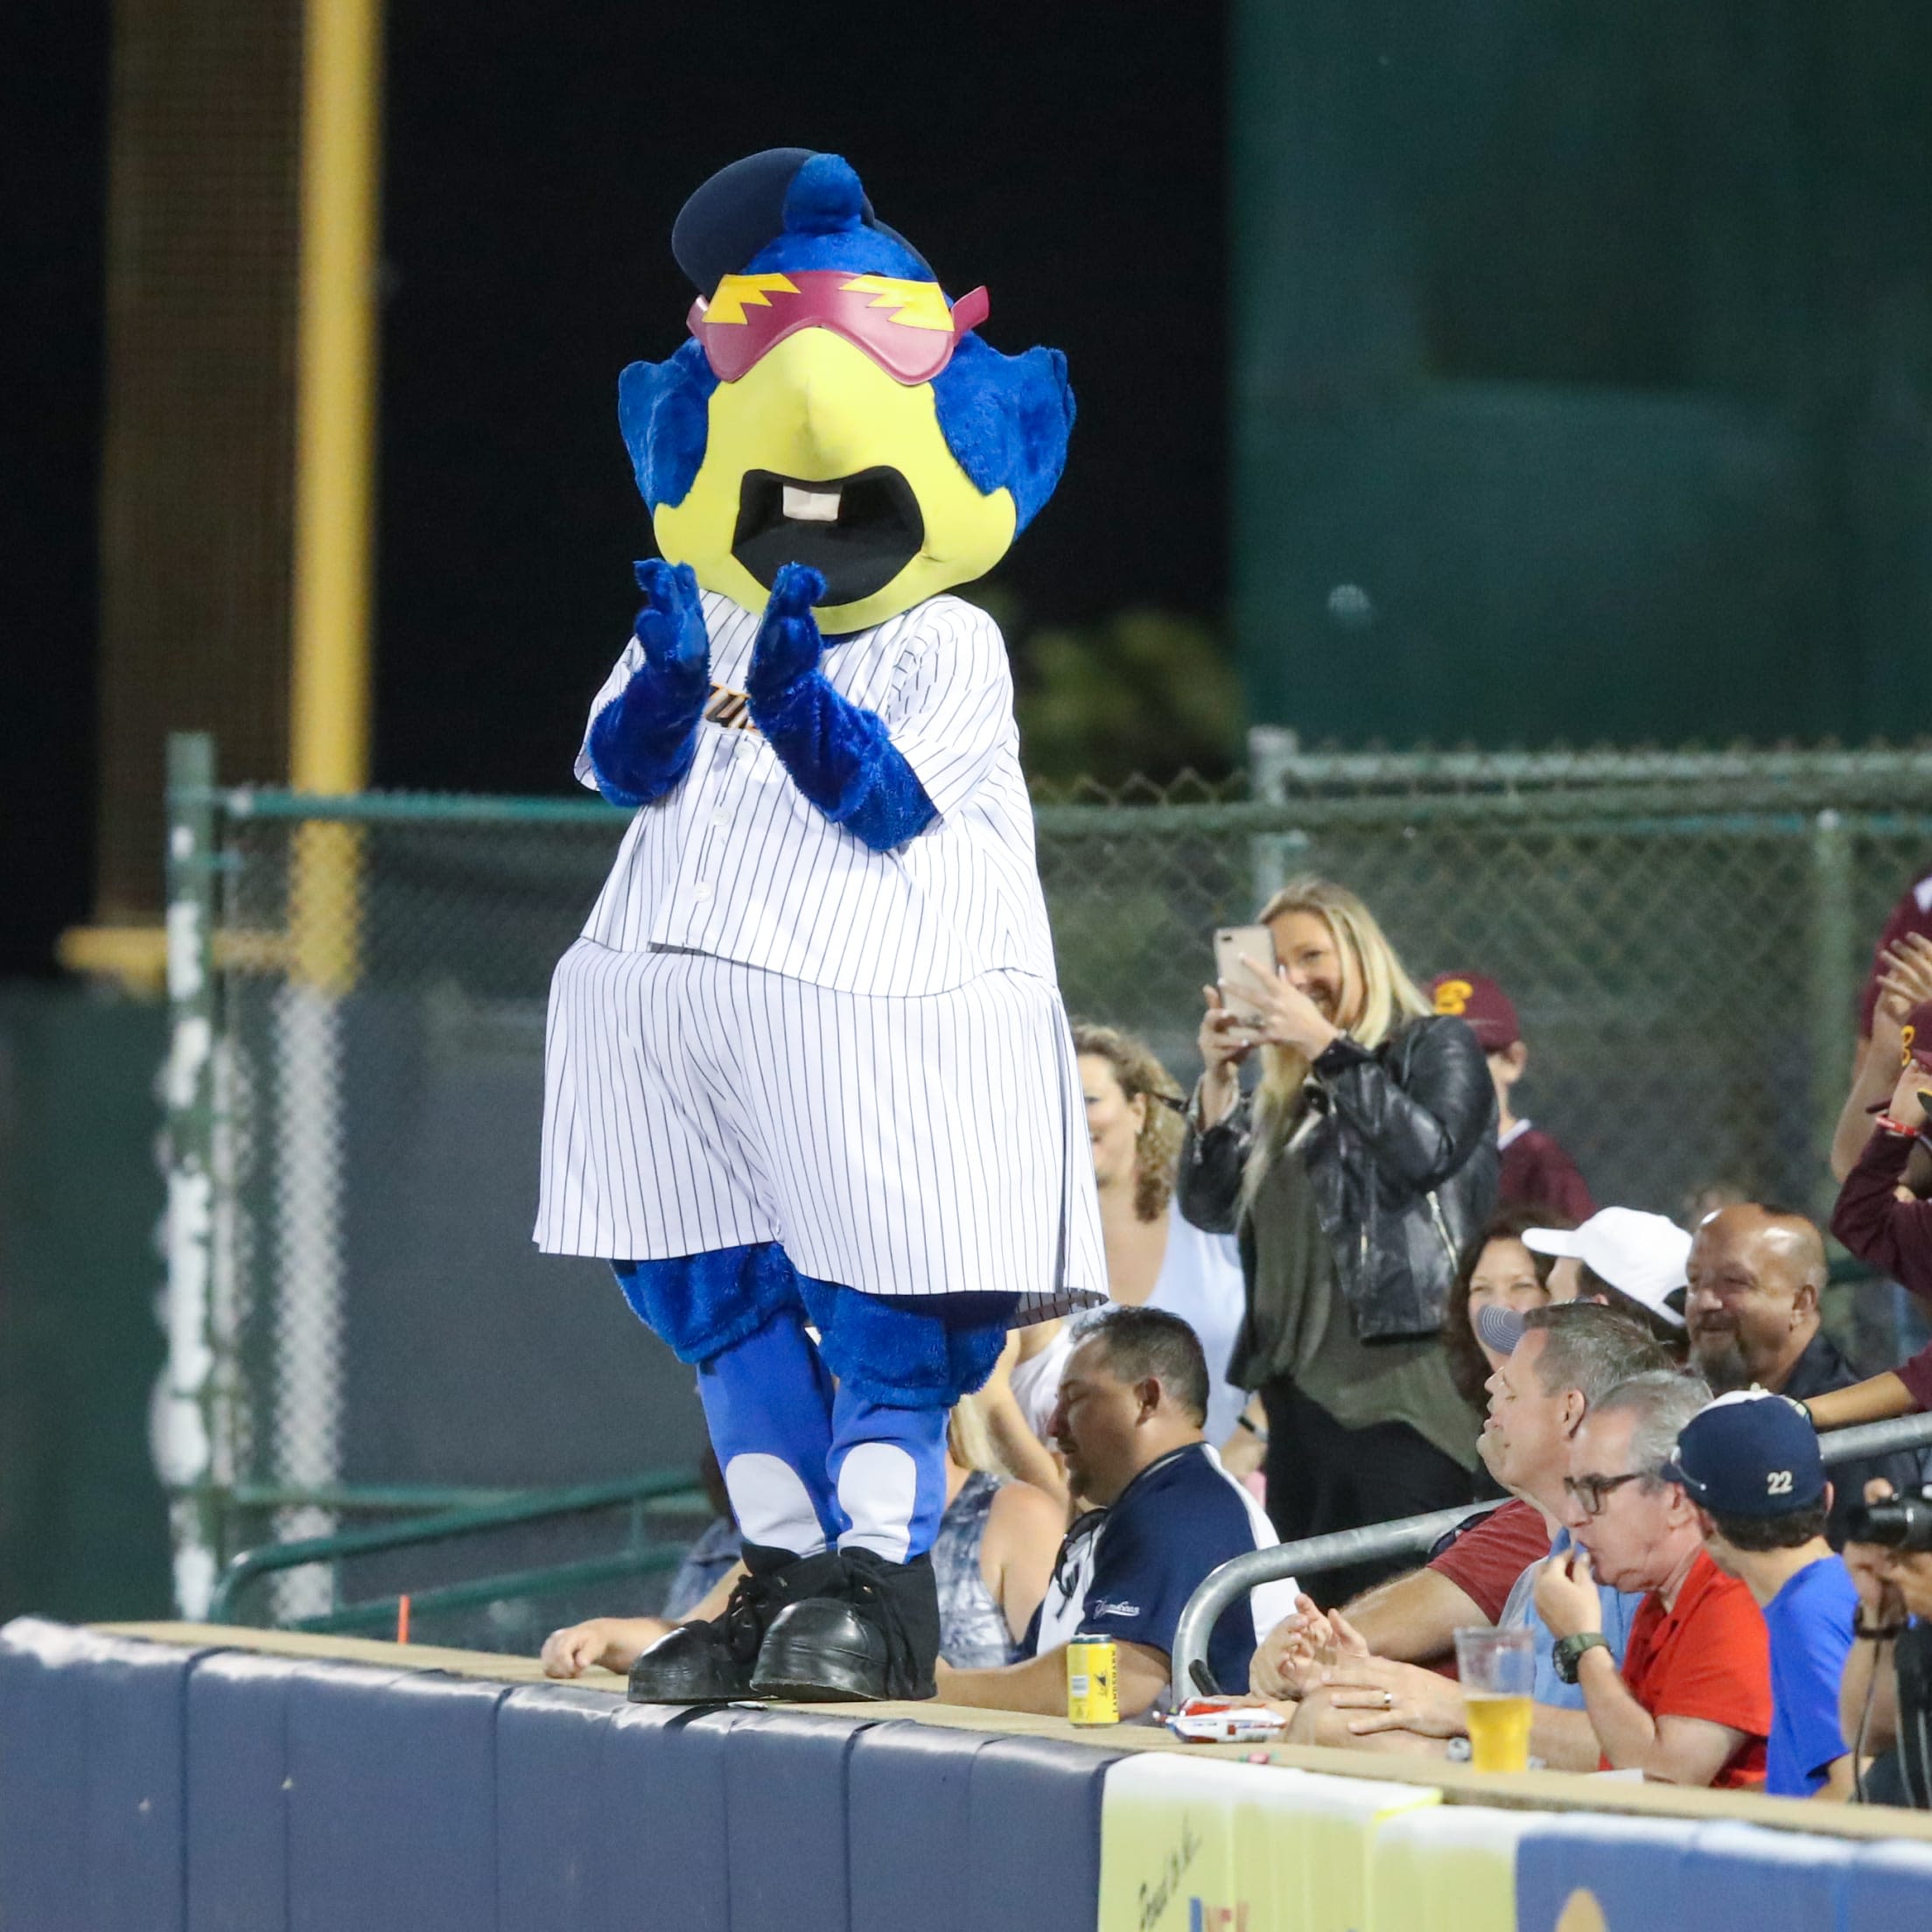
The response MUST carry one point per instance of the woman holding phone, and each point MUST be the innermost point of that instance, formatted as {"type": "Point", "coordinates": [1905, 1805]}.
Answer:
{"type": "Point", "coordinates": [1354, 1175]}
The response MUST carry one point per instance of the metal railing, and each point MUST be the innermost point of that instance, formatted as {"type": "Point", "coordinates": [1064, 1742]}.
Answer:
{"type": "Point", "coordinates": [640, 1557]}
{"type": "Point", "coordinates": [1412, 1536]}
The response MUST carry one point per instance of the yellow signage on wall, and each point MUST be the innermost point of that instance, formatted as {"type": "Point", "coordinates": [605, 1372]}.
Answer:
{"type": "Point", "coordinates": [1204, 1845]}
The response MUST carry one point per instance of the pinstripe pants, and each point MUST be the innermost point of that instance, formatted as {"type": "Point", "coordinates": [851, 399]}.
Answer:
{"type": "Point", "coordinates": [918, 1146]}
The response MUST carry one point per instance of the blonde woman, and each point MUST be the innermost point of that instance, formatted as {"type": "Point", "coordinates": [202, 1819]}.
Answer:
{"type": "Point", "coordinates": [1354, 1175]}
{"type": "Point", "coordinates": [1155, 1258]}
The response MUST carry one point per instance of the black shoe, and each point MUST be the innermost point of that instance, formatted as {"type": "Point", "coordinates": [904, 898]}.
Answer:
{"type": "Point", "coordinates": [881, 1642]}
{"type": "Point", "coordinates": [712, 1662]}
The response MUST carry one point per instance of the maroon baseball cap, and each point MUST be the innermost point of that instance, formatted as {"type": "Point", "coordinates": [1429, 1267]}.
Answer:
{"type": "Point", "coordinates": [1488, 1009]}
{"type": "Point", "coordinates": [1917, 1034]}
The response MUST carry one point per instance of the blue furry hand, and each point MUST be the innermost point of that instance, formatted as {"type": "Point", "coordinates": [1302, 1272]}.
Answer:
{"type": "Point", "coordinates": [641, 744]}
{"type": "Point", "coordinates": [670, 627]}
{"type": "Point", "coordinates": [788, 645]}
{"type": "Point", "coordinates": [839, 754]}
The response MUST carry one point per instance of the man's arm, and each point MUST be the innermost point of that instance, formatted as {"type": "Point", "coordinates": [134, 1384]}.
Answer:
{"type": "Point", "coordinates": [1868, 1699]}
{"type": "Point", "coordinates": [1892, 1235]}
{"type": "Point", "coordinates": [1901, 976]}
{"type": "Point", "coordinates": [1414, 1619]}
{"type": "Point", "coordinates": [1838, 1786]}
{"type": "Point", "coordinates": [1871, 1077]}
{"type": "Point", "coordinates": [1039, 1683]}
{"type": "Point", "coordinates": [1670, 1750]}
{"type": "Point", "coordinates": [1564, 1739]}
{"type": "Point", "coordinates": [1877, 1399]}
{"type": "Point", "coordinates": [1370, 1697]}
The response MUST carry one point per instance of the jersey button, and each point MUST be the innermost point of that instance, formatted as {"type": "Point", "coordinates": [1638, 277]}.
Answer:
{"type": "Point", "coordinates": [719, 821]}
{"type": "Point", "coordinates": [702, 890]}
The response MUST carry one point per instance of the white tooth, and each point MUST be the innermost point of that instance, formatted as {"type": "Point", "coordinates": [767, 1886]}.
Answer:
{"type": "Point", "coordinates": [811, 506]}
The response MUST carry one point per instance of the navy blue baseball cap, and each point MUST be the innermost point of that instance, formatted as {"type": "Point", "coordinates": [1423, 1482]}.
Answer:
{"type": "Point", "coordinates": [732, 216]}
{"type": "Point", "coordinates": [1750, 1453]}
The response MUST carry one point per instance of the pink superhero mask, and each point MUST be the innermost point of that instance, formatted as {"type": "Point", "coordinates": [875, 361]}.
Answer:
{"type": "Point", "coordinates": [904, 326]}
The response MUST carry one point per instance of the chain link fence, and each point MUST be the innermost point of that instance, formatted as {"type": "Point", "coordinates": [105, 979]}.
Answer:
{"type": "Point", "coordinates": [358, 991]}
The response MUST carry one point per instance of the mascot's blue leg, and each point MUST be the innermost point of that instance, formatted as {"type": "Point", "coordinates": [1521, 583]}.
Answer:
{"type": "Point", "coordinates": [735, 1314]}
{"type": "Point", "coordinates": [901, 1363]}
{"type": "Point", "coordinates": [809, 1464]}
{"type": "Point", "coordinates": [889, 1467]}
{"type": "Point", "coordinates": [768, 1405]}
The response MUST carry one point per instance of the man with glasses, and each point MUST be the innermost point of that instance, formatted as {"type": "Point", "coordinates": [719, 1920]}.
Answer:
{"type": "Point", "coordinates": [1691, 1704]}
{"type": "Point", "coordinates": [1558, 1361]}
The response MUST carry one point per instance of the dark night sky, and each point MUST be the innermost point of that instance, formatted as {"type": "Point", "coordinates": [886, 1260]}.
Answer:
{"type": "Point", "coordinates": [1070, 158]}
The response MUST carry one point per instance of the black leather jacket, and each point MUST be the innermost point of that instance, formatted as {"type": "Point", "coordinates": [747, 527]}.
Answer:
{"type": "Point", "coordinates": [1402, 1157]}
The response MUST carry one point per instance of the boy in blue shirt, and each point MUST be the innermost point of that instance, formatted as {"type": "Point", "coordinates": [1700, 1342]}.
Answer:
{"type": "Point", "coordinates": [1749, 1462]}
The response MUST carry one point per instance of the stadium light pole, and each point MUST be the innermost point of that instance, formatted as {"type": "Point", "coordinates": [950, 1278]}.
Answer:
{"type": "Point", "coordinates": [328, 735]}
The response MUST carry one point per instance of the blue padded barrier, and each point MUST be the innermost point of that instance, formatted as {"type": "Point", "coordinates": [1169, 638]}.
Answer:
{"type": "Point", "coordinates": [898, 1771]}
{"type": "Point", "coordinates": [1741, 1877]}
{"type": "Point", "coordinates": [1887, 1888]}
{"type": "Point", "coordinates": [1630, 1868]}
{"type": "Point", "coordinates": [664, 1778]}
{"type": "Point", "coordinates": [137, 1696]}
{"type": "Point", "coordinates": [392, 1801]}
{"type": "Point", "coordinates": [90, 1781]}
{"type": "Point", "coordinates": [785, 1832]}
{"type": "Point", "coordinates": [42, 1776]}
{"type": "Point", "coordinates": [553, 1809]}
{"type": "Point", "coordinates": [1032, 1853]}
{"type": "Point", "coordinates": [237, 1809]}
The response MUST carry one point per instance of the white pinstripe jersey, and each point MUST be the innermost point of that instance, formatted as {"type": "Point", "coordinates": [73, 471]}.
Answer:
{"type": "Point", "coordinates": [735, 861]}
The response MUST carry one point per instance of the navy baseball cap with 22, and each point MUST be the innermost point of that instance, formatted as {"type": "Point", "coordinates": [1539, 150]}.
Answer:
{"type": "Point", "coordinates": [1750, 1453]}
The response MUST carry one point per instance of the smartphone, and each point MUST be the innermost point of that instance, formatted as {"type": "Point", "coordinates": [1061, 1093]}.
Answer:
{"type": "Point", "coordinates": [1237, 942]}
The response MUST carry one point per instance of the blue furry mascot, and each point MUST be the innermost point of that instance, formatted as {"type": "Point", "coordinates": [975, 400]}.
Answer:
{"type": "Point", "coordinates": [808, 1084]}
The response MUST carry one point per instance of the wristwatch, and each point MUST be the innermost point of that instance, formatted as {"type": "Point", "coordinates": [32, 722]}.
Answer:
{"type": "Point", "coordinates": [1567, 1653]}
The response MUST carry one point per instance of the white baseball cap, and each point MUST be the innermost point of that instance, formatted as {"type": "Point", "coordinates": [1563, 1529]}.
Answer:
{"type": "Point", "coordinates": [1646, 1257]}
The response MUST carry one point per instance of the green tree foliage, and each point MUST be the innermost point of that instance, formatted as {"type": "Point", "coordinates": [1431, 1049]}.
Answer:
{"type": "Point", "coordinates": [1146, 692]}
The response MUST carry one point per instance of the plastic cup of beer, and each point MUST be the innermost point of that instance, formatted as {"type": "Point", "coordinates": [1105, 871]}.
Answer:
{"type": "Point", "coordinates": [1498, 1671]}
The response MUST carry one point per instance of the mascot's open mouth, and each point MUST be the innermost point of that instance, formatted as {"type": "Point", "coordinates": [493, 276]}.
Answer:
{"type": "Point", "coordinates": [859, 532]}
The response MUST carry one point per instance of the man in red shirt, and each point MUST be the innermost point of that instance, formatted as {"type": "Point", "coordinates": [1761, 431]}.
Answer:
{"type": "Point", "coordinates": [1534, 1172]}
{"type": "Point", "coordinates": [1536, 1406]}
{"type": "Point", "coordinates": [1692, 1703]}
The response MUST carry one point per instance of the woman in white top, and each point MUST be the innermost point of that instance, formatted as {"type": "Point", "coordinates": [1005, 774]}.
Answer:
{"type": "Point", "coordinates": [1155, 1259]}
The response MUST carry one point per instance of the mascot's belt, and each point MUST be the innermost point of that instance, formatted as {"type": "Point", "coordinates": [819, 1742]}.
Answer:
{"type": "Point", "coordinates": [904, 326]}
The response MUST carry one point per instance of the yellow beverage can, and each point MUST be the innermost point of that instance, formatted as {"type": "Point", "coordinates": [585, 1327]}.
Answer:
{"type": "Point", "coordinates": [1093, 1694]}
{"type": "Point", "coordinates": [1499, 1731]}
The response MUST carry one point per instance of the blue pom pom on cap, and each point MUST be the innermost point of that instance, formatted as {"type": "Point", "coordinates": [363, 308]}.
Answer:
{"type": "Point", "coordinates": [825, 198]}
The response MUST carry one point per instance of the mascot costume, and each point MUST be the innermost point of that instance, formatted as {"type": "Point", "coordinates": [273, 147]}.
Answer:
{"type": "Point", "coordinates": [808, 1084]}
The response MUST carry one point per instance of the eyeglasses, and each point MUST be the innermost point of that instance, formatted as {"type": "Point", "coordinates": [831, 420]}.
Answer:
{"type": "Point", "coordinates": [904, 326]}
{"type": "Point", "coordinates": [1592, 1492]}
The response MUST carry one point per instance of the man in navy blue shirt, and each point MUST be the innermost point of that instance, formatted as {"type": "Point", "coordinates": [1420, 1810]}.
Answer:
{"type": "Point", "coordinates": [1749, 1462]}
{"type": "Point", "coordinates": [1133, 1398]}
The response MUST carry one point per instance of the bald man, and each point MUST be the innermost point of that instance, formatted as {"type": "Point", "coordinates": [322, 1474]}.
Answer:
{"type": "Point", "coordinates": [1756, 1273]}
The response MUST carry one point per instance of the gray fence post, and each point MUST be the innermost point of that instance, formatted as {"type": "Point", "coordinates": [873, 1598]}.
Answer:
{"type": "Point", "coordinates": [1833, 991]}
{"type": "Point", "coordinates": [189, 1424]}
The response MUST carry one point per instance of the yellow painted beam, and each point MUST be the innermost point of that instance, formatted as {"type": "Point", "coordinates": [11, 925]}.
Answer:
{"type": "Point", "coordinates": [335, 460]}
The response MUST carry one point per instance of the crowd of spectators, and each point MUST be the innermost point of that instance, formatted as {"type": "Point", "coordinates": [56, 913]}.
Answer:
{"type": "Point", "coordinates": [1351, 1283]}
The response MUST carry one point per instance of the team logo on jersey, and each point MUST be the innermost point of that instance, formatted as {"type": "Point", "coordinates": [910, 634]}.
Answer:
{"type": "Point", "coordinates": [731, 709]}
